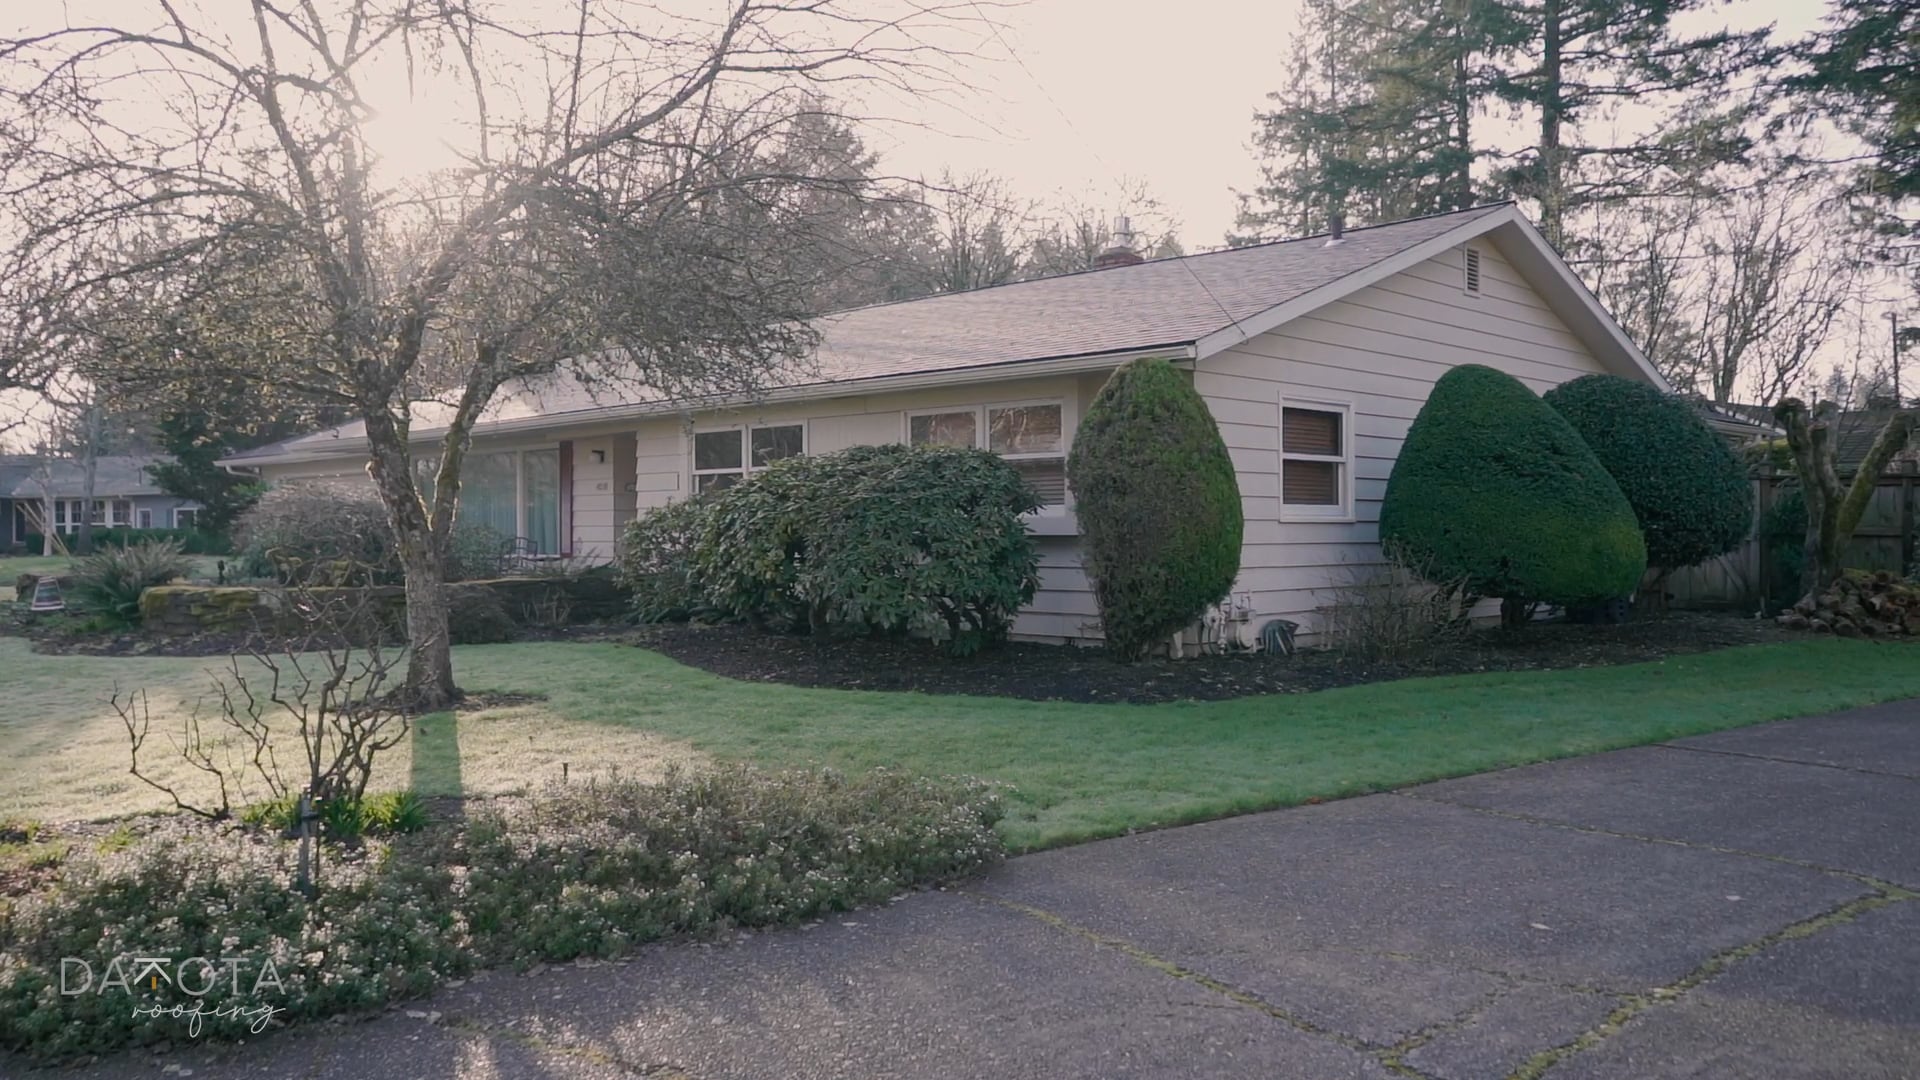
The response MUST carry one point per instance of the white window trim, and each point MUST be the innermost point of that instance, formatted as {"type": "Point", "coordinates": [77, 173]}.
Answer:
{"type": "Point", "coordinates": [143, 517]}
{"type": "Point", "coordinates": [1294, 512]}
{"type": "Point", "coordinates": [743, 431]}
{"type": "Point", "coordinates": [178, 510]}
{"type": "Point", "coordinates": [1069, 423]}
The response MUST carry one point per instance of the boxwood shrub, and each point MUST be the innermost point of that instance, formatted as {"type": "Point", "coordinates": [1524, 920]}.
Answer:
{"type": "Point", "coordinates": [1158, 504]}
{"type": "Point", "coordinates": [1689, 491]}
{"type": "Point", "coordinates": [1495, 489]}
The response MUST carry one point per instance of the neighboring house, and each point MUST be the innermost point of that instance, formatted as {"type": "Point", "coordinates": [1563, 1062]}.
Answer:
{"type": "Point", "coordinates": [1854, 433]}
{"type": "Point", "coordinates": [1740, 425]}
{"type": "Point", "coordinates": [1313, 354]}
{"type": "Point", "coordinates": [123, 495]}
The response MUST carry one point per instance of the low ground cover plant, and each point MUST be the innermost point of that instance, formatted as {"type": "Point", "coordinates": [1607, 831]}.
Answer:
{"type": "Point", "coordinates": [567, 872]}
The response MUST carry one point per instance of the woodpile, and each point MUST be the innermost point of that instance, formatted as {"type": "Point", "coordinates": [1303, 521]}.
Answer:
{"type": "Point", "coordinates": [1860, 604]}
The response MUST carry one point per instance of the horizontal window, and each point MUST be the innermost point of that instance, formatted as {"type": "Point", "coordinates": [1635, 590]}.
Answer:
{"type": "Point", "coordinates": [1032, 437]}
{"type": "Point", "coordinates": [721, 458]}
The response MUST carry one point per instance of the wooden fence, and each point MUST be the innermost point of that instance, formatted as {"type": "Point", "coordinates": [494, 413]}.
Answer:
{"type": "Point", "coordinates": [1748, 577]}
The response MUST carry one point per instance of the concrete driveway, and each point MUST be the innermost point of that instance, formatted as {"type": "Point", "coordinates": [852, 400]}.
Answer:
{"type": "Point", "coordinates": [1731, 906]}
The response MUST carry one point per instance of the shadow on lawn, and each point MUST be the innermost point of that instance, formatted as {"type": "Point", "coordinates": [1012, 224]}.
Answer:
{"type": "Point", "coordinates": [436, 756]}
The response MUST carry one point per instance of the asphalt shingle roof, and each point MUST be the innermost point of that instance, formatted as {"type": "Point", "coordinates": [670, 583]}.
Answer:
{"type": "Point", "coordinates": [113, 477]}
{"type": "Point", "coordinates": [1165, 302]}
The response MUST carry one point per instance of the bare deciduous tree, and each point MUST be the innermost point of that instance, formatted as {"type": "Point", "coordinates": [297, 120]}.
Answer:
{"type": "Point", "coordinates": [1775, 279]}
{"type": "Point", "coordinates": [208, 178]}
{"type": "Point", "coordinates": [1833, 510]}
{"type": "Point", "coordinates": [316, 679]}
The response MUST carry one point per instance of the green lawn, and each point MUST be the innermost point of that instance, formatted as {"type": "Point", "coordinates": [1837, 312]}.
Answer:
{"type": "Point", "coordinates": [12, 566]}
{"type": "Point", "coordinates": [1075, 771]}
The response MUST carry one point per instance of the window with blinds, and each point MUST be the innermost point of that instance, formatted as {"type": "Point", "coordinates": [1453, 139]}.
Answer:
{"type": "Point", "coordinates": [1031, 436]}
{"type": "Point", "coordinates": [1313, 461]}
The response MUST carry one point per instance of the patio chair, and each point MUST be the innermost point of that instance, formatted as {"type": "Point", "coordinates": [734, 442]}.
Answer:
{"type": "Point", "coordinates": [516, 555]}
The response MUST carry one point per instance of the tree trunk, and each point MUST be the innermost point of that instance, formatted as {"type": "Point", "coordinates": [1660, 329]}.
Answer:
{"type": "Point", "coordinates": [1552, 206]}
{"type": "Point", "coordinates": [1820, 553]}
{"type": "Point", "coordinates": [1833, 512]}
{"type": "Point", "coordinates": [1515, 612]}
{"type": "Point", "coordinates": [90, 468]}
{"type": "Point", "coordinates": [429, 683]}
{"type": "Point", "coordinates": [1462, 115]}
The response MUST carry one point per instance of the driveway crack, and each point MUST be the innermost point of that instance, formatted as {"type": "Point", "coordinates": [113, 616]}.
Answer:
{"type": "Point", "coordinates": [1389, 1056]}
{"type": "Point", "coordinates": [1636, 1005]}
{"type": "Point", "coordinates": [1786, 761]}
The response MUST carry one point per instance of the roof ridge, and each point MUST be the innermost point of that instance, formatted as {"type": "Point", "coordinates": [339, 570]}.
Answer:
{"type": "Point", "coordinates": [1230, 250]}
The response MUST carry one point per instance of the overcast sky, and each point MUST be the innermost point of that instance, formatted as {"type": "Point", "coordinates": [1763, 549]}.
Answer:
{"type": "Point", "coordinates": [1157, 91]}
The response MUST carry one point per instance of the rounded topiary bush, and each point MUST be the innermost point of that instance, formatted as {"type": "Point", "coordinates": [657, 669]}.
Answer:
{"type": "Point", "coordinates": [1496, 490]}
{"type": "Point", "coordinates": [1688, 489]}
{"type": "Point", "coordinates": [1158, 504]}
{"type": "Point", "coordinates": [923, 541]}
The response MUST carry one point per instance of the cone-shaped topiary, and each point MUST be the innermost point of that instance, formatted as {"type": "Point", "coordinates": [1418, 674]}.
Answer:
{"type": "Point", "coordinates": [1686, 486]}
{"type": "Point", "coordinates": [1158, 503]}
{"type": "Point", "coordinates": [1494, 488]}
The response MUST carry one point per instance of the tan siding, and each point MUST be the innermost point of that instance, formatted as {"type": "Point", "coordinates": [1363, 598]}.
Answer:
{"type": "Point", "coordinates": [1380, 351]}
{"type": "Point", "coordinates": [593, 502]}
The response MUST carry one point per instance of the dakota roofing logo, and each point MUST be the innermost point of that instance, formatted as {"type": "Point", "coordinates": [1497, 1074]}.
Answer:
{"type": "Point", "coordinates": [194, 976]}
{"type": "Point", "coordinates": [151, 971]}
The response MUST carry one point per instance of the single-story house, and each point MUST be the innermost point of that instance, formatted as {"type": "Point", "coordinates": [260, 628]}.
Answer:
{"type": "Point", "coordinates": [1854, 433]}
{"type": "Point", "coordinates": [35, 489]}
{"type": "Point", "coordinates": [1740, 425]}
{"type": "Point", "coordinates": [1313, 354]}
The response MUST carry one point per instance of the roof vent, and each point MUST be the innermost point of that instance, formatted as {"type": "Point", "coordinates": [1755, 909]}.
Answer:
{"type": "Point", "coordinates": [1336, 230]}
{"type": "Point", "coordinates": [1471, 282]}
{"type": "Point", "coordinates": [1121, 253]}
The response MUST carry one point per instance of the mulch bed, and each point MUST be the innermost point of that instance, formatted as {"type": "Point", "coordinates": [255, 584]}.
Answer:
{"type": "Point", "coordinates": [60, 639]}
{"type": "Point", "coordinates": [1054, 672]}
{"type": "Point", "coordinates": [1064, 673]}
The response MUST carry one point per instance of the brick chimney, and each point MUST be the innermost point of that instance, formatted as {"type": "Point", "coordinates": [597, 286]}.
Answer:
{"type": "Point", "coordinates": [1121, 253]}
